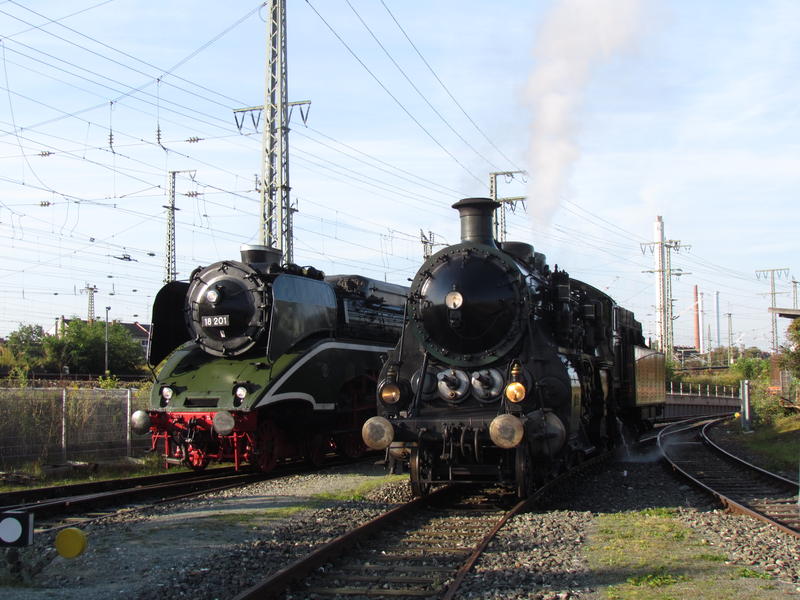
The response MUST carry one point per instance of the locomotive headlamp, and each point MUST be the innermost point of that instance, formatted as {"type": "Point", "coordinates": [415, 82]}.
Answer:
{"type": "Point", "coordinates": [212, 296]}
{"type": "Point", "coordinates": [453, 300]}
{"type": "Point", "coordinates": [506, 431]}
{"type": "Point", "coordinates": [240, 392]}
{"type": "Point", "coordinates": [167, 393]}
{"type": "Point", "coordinates": [515, 392]}
{"type": "Point", "coordinates": [390, 393]}
{"type": "Point", "coordinates": [224, 422]}
{"type": "Point", "coordinates": [377, 433]}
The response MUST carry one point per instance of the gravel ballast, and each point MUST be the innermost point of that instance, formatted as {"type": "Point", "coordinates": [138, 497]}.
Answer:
{"type": "Point", "coordinates": [219, 544]}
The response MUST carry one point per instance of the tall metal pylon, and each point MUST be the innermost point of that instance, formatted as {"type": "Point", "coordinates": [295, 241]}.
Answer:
{"type": "Point", "coordinates": [170, 262]}
{"type": "Point", "coordinates": [90, 291]}
{"type": "Point", "coordinates": [773, 293]}
{"type": "Point", "coordinates": [662, 250]}
{"type": "Point", "coordinates": [500, 229]}
{"type": "Point", "coordinates": [276, 209]}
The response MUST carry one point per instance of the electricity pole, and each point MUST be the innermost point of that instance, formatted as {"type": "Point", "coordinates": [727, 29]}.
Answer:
{"type": "Point", "coordinates": [730, 339]}
{"type": "Point", "coordinates": [276, 209]}
{"type": "Point", "coordinates": [90, 291]}
{"type": "Point", "coordinates": [773, 293]}
{"type": "Point", "coordinates": [500, 229]}
{"type": "Point", "coordinates": [170, 264]}
{"type": "Point", "coordinates": [105, 371]}
{"type": "Point", "coordinates": [662, 251]}
{"type": "Point", "coordinates": [428, 242]}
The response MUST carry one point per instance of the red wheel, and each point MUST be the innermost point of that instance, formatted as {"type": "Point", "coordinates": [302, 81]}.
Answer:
{"type": "Point", "coordinates": [196, 459]}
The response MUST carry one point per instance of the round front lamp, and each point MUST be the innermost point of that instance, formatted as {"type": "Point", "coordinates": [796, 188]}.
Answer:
{"type": "Point", "coordinates": [140, 422]}
{"type": "Point", "coordinates": [224, 422]}
{"type": "Point", "coordinates": [377, 433]}
{"type": "Point", "coordinates": [506, 431]}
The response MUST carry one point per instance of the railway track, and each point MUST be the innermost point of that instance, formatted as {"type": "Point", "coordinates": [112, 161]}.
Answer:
{"type": "Point", "coordinates": [34, 495]}
{"type": "Point", "coordinates": [740, 486]}
{"type": "Point", "coordinates": [54, 513]}
{"type": "Point", "coordinates": [422, 549]}
{"type": "Point", "coordinates": [89, 499]}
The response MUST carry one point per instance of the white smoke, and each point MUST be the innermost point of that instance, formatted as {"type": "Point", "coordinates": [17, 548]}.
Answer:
{"type": "Point", "coordinates": [575, 36]}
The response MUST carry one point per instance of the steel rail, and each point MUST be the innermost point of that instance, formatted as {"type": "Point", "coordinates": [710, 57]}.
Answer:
{"type": "Point", "coordinates": [66, 504]}
{"type": "Point", "coordinates": [276, 583]}
{"type": "Point", "coordinates": [34, 495]}
{"type": "Point", "coordinates": [736, 505]}
{"type": "Point", "coordinates": [719, 449]}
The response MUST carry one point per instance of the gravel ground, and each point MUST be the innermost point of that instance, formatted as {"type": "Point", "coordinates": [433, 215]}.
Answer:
{"type": "Point", "coordinates": [204, 548]}
{"type": "Point", "coordinates": [218, 545]}
{"type": "Point", "coordinates": [538, 555]}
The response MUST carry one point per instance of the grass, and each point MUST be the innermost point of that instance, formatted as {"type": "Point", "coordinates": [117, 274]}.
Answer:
{"type": "Point", "coordinates": [151, 464]}
{"type": "Point", "coordinates": [359, 492]}
{"type": "Point", "coordinates": [258, 517]}
{"type": "Point", "coordinates": [255, 519]}
{"type": "Point", "coordinates": [651, 555]}
{"type": "Point", "coordinates": [777, 442]}
{"type": "Point", "coordinates": [658, 578]}
{"type": "Point", "coordinates": [748, 573]}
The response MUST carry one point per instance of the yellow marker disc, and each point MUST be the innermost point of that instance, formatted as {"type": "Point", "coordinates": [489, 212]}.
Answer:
{"type": "Point", "coordinates": [70, 542]}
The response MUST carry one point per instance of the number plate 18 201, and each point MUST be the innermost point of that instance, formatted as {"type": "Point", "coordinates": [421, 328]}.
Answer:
{"type": "Point", "coordinates": [215, 321]}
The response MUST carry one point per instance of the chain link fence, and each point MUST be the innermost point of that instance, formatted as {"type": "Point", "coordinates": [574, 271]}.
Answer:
{"type": "Point", "coordinates": [54, 425]}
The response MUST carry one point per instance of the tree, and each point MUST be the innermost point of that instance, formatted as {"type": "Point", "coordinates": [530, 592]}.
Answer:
{"type": "Point", "coordinates": [790, 357]}
{"type": "Point", "coordinates": [751, 368]}
{"type": "Point", "coordinates": [55, 353]}
{"type": "Point", "coordinates": [26, 346]}
{"type": "Point", "coordinates": [83, 348]}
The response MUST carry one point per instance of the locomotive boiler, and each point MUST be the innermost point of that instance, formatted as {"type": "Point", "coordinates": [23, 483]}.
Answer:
{"type": "Point", "coordinates": [259, 362]}
{"type": "Point", "coordinates": [508, 371]}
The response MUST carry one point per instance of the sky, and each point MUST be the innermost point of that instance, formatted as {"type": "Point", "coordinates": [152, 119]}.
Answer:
{"type": "Point", "coordinates": [617, 112]}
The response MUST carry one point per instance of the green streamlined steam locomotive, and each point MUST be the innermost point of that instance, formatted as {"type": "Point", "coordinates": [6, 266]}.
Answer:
{"type": "Point", "coordinates": [259, 362]}
{"type": "Point", "coordinates": [506, 370]}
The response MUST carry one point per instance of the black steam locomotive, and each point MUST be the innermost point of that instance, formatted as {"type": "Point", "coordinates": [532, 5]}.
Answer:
{"type": "Point", "coordinates": [507, 371]}
{"type": "Point", "coordinates": [263, 361]}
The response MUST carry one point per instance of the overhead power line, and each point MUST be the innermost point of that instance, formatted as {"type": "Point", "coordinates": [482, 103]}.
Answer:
{"type": "Point", "coordinates": [416, 89]}
{"type": "Point", "coordinates": [393, 97]}
{"type": "Point", "coordinates": [448, 92]}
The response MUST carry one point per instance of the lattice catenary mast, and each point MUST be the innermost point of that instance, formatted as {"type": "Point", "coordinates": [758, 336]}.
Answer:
{"type": "Point", "coordinates": [662, 250]}
{"type": "Point", "coordinates": [773, 293]}
{"type": "Point", "coordinates": [500, 229]}
{"type": "Point", "coordinates": [276, 208]}
{"type": "Point", "coordinates": [170, 263]}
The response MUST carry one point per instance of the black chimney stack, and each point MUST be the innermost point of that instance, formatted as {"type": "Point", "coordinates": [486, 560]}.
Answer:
{"type": "Point", "coordinates": [260, 257]}
{"type": "Point", "coordinates": [476, 220]}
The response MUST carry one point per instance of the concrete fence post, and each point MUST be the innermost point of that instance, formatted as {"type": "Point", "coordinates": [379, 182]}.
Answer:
{"type": "Point", "coordinates": [747, 426]}
{"type": "Point", "coordinates": [64, 425]}
{"type": "Point", "coordinates": [128, 441]}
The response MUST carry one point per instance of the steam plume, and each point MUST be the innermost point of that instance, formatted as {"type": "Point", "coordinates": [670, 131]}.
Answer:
{"type": "Point", "coordinates": [575, 37]}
